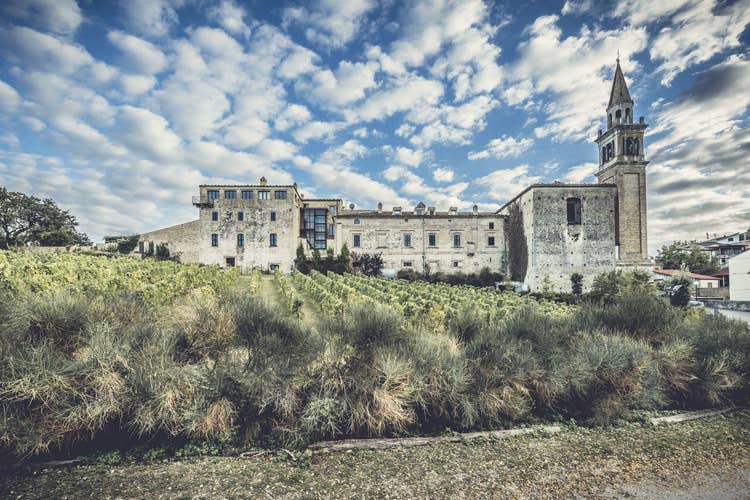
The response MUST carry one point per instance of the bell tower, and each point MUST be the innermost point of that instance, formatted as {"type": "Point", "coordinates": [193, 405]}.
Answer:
{"type": "Point", "coordinates": [622, 163]}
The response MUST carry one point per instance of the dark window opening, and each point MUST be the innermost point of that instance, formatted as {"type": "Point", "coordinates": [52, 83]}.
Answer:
{"type": "Point", "coordinates": [574, 210]}
{"type": "Point", "coordinates": [230, 261]}
{"type": "Point", "coordinates": [140, 247]}
{"type": "Point", "coordinates": [247, 195]}
{"type": "Point", "coordinates": [432, 240]}
{"type": "Point", "coordinates": [273, 239]}
{"type": "Point", "coordinates": [491, 241]}
{"type": "Point", "coordinates": [279, 195]}
{"type": "Point", "coordinates": [240, 240]}
{"type": "Point", "coordinates": [315, 227]}
{"type": "Point", "coordinates": [214, 216]}
{"type": "Point", "coordinates": [213, 194]}
{"type": "Point", "coordinates": [456, 240]}
{"type": "Point", "coordinates": [407, 240]}
{"type": "Point", "coordinates": [230, 195]}
{"type": "Point", "coordinates": [273, 216]}
{"type": "Point", "coordinates": [214, 240]}
{"type": "Point", "coordinates": [492, 225]}
{"type": "Point", "coordinates": [330, 230]}
{"type": "Point", "coordinates": [240, 216]}
{"type": "Point", "coordinates": [357, 240]}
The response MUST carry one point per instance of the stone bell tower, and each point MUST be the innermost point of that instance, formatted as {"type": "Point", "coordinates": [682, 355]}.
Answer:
{"type": "Point", "coordinates": [622, 162]}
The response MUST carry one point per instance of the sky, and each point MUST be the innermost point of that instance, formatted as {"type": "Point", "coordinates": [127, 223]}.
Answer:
{"type": "Point", "coordinates": [119, 110]}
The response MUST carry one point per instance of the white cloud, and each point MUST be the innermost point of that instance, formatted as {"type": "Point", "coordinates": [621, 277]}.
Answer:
{"type": "Point", "coordinates": [331, 22]}
{"type": "Point", "coordinates": [583, 173]}
{"type": "Point", "coordinates": [443, 175]}
{"type": "Point", "coordinates": [9, 98]}
{"type": "Point", "coordinates": [344, 153]}
{"type": "Point", "coordinates": [134, 85]}
{"type": "Point", "coordinates": [138, 54]}
{"type": "Point", "coordinates": [147, 134]}
{"type": "Point", "coordinates": [503, 147]}
{"type": "Point", "coordinates": [409, 157]}
{"type": "Point", "coordinates": [347, 85]}
{"type": "Point", "coordinates": [402, 94]}
{"type": "Point", "coordinates": [576, 70]}
{"type": "Point", "coordinates": [230, 16]}
{"type": "Point", "coordinates": [316, 130]}
{"type": "Point", "coordinates": [151, 18]}
{"type": "Point", "coordinates": [503, 184]}
{"type": "Point", "coordinates": [293, 114]}
{"type": "Point", "coordinates": [58, 16]}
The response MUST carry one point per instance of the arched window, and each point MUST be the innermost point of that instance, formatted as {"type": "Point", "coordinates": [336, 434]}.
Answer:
{"type": "Point", "coordinates": [604, 155]}
{"type": "Point", "coordinates": [618, 115]}
{"type": "Point", "coordinates": [636, 147]}
{"type": "Point", "coordinates": [609, 121]}
{"type": "Point", "coordinates": [627, 116]}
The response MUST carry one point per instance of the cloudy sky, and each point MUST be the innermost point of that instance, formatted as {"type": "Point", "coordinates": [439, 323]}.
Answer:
{"type": "Point", "coordinates": [118, 110]}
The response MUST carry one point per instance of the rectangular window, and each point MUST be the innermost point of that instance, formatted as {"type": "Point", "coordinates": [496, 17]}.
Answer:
{"type": "Point", "coordinates": [492, 225]}
{"type": "Point", "coordinates": [356, 221]}
{"type": "Point", "coordinates": [230, 195]}
{"type": "Point", "coordinates": [273, 239]}
{"type": "Point", "coordinates": [214, 240]}
{"type": "Point", "coordinates": [214, 215]}
{"type": "Point", "coordinates": [279, 195]}
{"type": "Point", "coordinates": [213, 194]}
{"type": "Point", "coordinates": [230, 261]}
{"type": "Point", "coordinates": [357, 240]}
{"type": "Point", "coordinates": [407, 240]}
{"type": "Point", "coordinates": [247, 195]}
{"type": "Point", "coordinates": [264, 195]}
{"type": "Point", "coordinates": [490, 241]}
{"type": "Point", "coordinates": [240, 216]}
{"type": "Point", "coordinates": [140, 246]}
{"type": "Point", "coordinates": [273, 216]}
{"type": "Point", "coordinates": [240, 240]}
{"type": "Point", "coordinates": [432, 240]}
{"type": "Point", "coordinates": [574, 210]}
{"type": "Point", "coordinates": [330, 229]}
{"type": "Point", "coordinates": [408, 263]}
{"type": "Point", "coordinates": [456, 240]}
{"type": "Point", "coordinates": [332, 209]}
{"type": "Point", "coordinates": [456, 263]}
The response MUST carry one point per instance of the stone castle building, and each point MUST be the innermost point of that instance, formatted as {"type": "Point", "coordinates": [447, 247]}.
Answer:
{"type": "Point", "coordinates": [545, 234]}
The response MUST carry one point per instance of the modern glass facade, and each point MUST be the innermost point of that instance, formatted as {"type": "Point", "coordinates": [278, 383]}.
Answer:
{"type": "Point", "coordinates": [314, 220]}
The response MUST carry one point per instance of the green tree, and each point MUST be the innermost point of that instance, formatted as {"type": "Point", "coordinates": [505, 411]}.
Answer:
{"type": "Point", "coordinates": [27, 219]}
{"type": "Point", "coordinates": [679, 294]}
{"type": "Point", "coordinates": [316, 260]}
{"type": "Point", "coordinates": [300, 261]}
{"type": "Point", "coordinates": [345, 259]}
{"type": "Point", "coordinates": [127, 245]}
{"type": "Point", "coordinates": [681, 253]}
{"type": "Point", "coordinates": [576, 283]}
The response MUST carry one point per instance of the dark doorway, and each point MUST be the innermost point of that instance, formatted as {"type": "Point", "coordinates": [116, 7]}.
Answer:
{"type": "Point", "coordinates": [230, 261]}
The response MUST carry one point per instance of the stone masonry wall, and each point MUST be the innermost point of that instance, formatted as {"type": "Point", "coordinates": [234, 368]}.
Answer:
{"type": "Point", "coordinates": [182, 240]}
{"type": "Point", "coordinates": [385, 233]}
{"type": "Point", "coordinates": [559, 249]}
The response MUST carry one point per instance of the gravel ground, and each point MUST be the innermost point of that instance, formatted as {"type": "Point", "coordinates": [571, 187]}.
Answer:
{"type": "Point", "coordinates": [706, 458]}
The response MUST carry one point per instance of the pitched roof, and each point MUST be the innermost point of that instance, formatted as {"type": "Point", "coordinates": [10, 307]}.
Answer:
{"type": "Point", "coordinates": [619, 91]}
{"type": "Point", "coordinates": [677, 272]}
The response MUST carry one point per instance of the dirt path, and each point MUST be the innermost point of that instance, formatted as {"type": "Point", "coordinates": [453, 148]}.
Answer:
{"type": "Point", "coordinates": [707, 458]}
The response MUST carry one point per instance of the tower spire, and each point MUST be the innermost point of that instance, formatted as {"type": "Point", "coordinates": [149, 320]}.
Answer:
{"type": "Point", "coordinates": [619, 93]}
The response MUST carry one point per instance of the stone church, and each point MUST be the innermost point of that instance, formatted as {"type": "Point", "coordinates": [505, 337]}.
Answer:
{"type": "Point", "coordinates": [546, 233]}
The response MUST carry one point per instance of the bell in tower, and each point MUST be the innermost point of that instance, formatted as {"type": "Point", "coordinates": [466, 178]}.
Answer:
{"type": "Point", "coordinates": [622, 163]}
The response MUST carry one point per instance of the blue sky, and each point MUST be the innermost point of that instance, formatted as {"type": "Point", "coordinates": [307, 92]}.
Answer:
{"type": "Point", "coordinates": [118, 110]}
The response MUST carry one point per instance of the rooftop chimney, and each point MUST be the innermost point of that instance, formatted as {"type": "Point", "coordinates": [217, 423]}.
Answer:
{"type": "Point", "coordinates": [475, 209]}
{"type": "Point", "coordinates": [396, 210]}
{"type": "Point", "coordinates": [351, 206]}
{"type": "Point", "coordinates": [431, 210]}
{"type": "Point", "coordinates": [452, 210]}
{"type": "Point", "coordinates": [263, 181]}
{"type": "Point", "coordinates": [380, 207]}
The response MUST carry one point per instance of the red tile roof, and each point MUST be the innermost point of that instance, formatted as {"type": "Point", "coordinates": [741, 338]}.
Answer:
{"type": "Point", "coordinates": [677, 272]}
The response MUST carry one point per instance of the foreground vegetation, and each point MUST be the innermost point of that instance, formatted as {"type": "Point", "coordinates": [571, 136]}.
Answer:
{"type": "Point", "coordinates": [706, 458]}
{"type": "Point", "coordinates": [105, 366]}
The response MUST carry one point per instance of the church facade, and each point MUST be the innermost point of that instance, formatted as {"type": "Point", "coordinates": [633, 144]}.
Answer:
{"type": "Point", "coordinates": [543, 235]}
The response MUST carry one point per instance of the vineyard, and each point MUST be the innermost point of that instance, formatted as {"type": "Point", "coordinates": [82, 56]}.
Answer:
{"type": "Point", "coordinates": [158, 282]}
{"type": "Point", "coordinates": [101, 350]}
{"type": "Point", "coordinates": [418, 302]}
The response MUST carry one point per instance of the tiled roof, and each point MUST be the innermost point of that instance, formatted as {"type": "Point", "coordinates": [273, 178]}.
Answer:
{"type": "Point", "coordinates": [677, 272]}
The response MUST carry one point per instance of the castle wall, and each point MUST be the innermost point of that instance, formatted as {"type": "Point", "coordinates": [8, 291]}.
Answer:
{"type": "Point", "coordinates": [384, 233]}
{"type": "Point", "coordinates": [556, 249]}
{"type": "Point", "coordinates": [181, 240]}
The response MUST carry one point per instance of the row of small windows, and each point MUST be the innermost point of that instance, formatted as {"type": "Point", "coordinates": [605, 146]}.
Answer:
{"type": "Point", "coordinates": [431, 240]}
{"type": "Point", "coordinates": [240, 216]}
{"type": "Point", "coordinates": [410, 263]}
{"type": "Point", "coordinates": [272, 240]}
{"type": "Point", "coordinates": [491, 225]}
{"type": "Point", "coordinates": [231, 194]}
